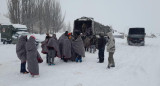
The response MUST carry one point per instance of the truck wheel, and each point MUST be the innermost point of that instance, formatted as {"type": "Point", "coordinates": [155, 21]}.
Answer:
{"type": "Point", "coordinates": [4, 42]}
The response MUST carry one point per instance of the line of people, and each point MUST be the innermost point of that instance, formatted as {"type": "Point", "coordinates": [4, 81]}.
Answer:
{"type": "Point", "coordinates": [67, 47]}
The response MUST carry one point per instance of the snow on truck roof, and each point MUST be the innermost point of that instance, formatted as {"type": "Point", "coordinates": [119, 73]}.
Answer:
{"type": "Point", "coordinates": [19, 26]}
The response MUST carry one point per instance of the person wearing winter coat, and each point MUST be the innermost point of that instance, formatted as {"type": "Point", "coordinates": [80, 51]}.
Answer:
{"type": "Point", "coordinates": [65, 47]}
{"type": "Point", "coordinates": [33, 56]}
{"type": "Point", "coordinates": [44, 46]}
{"type": "Point", "coordinates": [21, 53]}
{"type": "Point", "coordinates": [78, 48]}
{"type": "Point", "coordinates": [101, 47]}
{"type": "Point", "coordinates": [111, 49]}
{"type": "Point", "coordinates": [53, 49]}
{"type": "Point", "coordinates": [93, 44]}
{"type": "Point", "coordinates": [87, 43]}
{"type": "Point", "coordinates": [73, 54]}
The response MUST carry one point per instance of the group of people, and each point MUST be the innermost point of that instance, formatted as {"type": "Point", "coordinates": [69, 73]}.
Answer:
{"type": "Point", "coordinates": [92, 42]}
{"type": "Point", "coordinates": [110, 41]}
{"type": "Point", "coordinates": [27, 52]}
{"type": "Point", "coordinates": [67, 47]}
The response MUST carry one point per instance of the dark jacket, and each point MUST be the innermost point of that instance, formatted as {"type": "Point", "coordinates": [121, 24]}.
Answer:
{"type": "Point", "coordinates": [101, 42]}
{"type": "Point", "coordinates": [93, 41]}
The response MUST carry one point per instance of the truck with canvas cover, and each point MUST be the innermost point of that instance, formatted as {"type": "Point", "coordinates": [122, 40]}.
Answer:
{"type": "Point", "coordinates": [88, 27]}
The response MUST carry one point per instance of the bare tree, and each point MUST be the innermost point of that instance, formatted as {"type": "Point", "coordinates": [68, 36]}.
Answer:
{"type": "Point", "coordinates": [14, 10]}
{"type": "Point", "coordinates": [44, 14]}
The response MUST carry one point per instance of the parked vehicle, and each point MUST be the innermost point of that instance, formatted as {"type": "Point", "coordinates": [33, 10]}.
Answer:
{"type": "Point", "coordinates": [136, 36]}
{"type": "Point", "coordinates": [89, 27]}
{"type": "Point", "coordinates": [11, 32]}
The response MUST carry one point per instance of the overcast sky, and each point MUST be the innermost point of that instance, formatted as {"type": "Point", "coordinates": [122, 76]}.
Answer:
{"type": "Point", "coordinates": [121, 14]}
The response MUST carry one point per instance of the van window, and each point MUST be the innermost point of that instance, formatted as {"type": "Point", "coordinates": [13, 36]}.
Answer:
{"type": "Point", "coordinates": [136, 31]}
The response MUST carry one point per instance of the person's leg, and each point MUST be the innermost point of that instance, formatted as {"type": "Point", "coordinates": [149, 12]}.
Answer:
{"type": "Point", "coordinates": [76, 57]}
{"type": "Point", "coordinates": [49, 56]}
{"type": "Point", "coordinates": [80, 58]}
{"type": "Point", "coordinates": [54, 55]}
{"type": "Point", "coordinates": [111, 60]}
{"type": "Point", "coordinates": [91, 49]}
{"type": "Point", "coordinates": [100, 55]}
{"type": "Point", "coordinates": [23, 68]}
{"type": "Point", "coordinates": [94, 48]}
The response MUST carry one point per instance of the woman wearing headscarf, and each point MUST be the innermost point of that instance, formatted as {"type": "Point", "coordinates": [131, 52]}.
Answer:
{"type": "Point", "coordinates": [33, 57]}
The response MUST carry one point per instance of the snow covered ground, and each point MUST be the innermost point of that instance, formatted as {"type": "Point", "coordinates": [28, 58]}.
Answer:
{"type": "Point", "coordinates": [135, 66]}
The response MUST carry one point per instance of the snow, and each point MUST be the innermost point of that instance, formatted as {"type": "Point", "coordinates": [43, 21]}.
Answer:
{"type": "Point", "coordinates": [19, 26]}
{"type": "Point", "coordinates": [135, 66]}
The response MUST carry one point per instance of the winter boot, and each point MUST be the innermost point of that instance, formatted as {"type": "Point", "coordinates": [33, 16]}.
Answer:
{"type": "Point", "coordinates": [76, 59]}
{"type": "Point", "coordinates": [80, 59]}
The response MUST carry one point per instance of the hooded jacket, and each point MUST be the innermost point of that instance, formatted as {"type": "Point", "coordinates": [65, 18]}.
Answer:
{"type": "Point", "coordinates": [111, 43]}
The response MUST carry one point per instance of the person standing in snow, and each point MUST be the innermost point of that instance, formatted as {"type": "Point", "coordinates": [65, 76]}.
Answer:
{"type": "Point", "coordinates": [33, 56]}
{"type": "Point", "coordinates": [93, 44]}
{"type": "Point", "coordinates": [45, 45]}
{"type": "Point", "coordinates": [21, 53]}
{"type": "Point", "coordinates": [78, 47]}
{"type": "Point", "coordinates": [111, 49]}
{"type": "Point", "coordinates": [53, 49]}
{"type": "Point", "coordinates": [71, 38]}
{"type": "Point", "coordinates": [101, 47]}
{"type": "Point", "coordinates": [65, 47]}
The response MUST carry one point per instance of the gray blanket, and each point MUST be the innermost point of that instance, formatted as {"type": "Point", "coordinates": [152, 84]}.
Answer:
{"type": "Point", "coordinates": [44, 47]}
{"type": "Point", "coordinates": [54, 44]}
{"type": "Point", "coordinates": [21, 48]}
{"type": "Point", "coordinates": [65, 46]}
{"type": "Point", "coordinates": [78, 46]}
{"type": "Point", "coordinates": [32, 55]}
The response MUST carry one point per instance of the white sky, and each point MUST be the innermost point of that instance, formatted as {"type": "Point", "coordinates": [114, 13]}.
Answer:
{"type": "Point", "coordinates": [121, 14]}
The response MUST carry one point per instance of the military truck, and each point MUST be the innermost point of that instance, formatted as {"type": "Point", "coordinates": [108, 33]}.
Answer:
{"type": "Point", "coordinates": [89, 27]}
{"type": "Point", "coordinates": [11, 32]}
{"type": "Point", "coordinates": [136, 36]}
